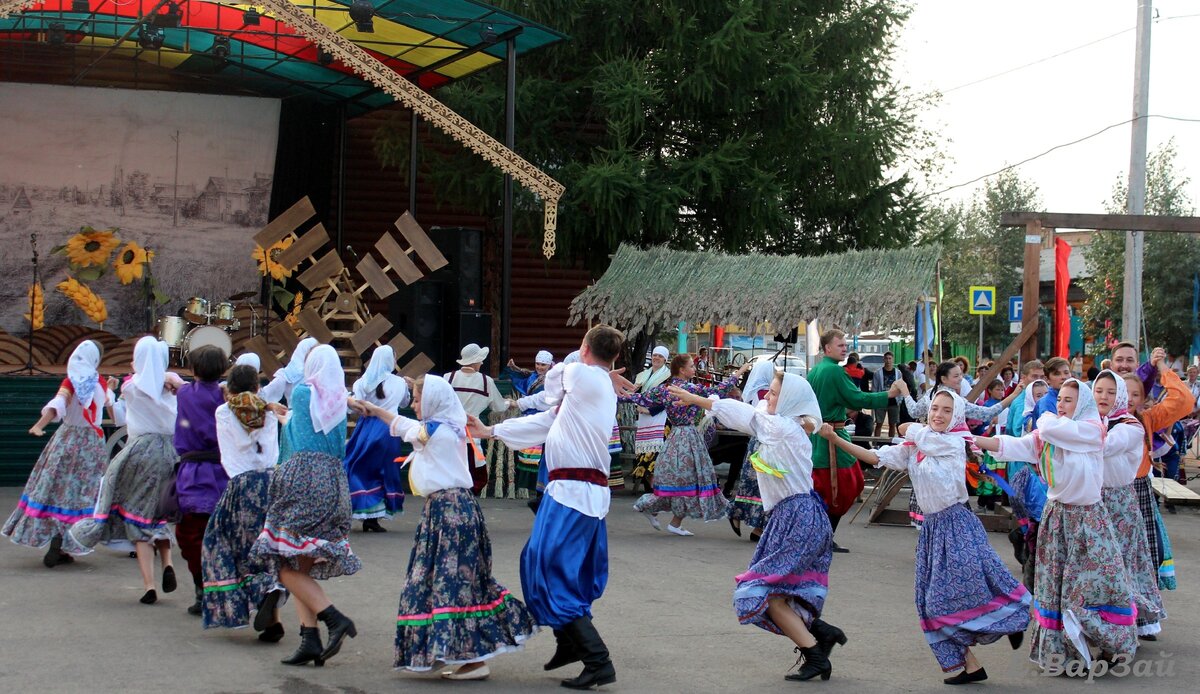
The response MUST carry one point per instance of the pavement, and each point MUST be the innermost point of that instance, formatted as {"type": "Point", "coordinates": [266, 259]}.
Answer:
{"type": "Point", "coordinates": [666, 616]}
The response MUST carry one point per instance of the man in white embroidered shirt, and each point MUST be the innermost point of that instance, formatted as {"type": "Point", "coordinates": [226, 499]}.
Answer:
{"type": "Point", "coordinates": [564, 566]}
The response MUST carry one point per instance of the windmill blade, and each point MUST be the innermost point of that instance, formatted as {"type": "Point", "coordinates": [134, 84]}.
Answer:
{"type": "Point", "coordinates": [304, 247]}
{"type": "Point", "coordinates": [376, 278]}
{"type": "Point", "coordinates": [397, 259]}
{"type": "Point", "coordinates": [419, 366]}
{"type": "Point", "coordinates": [320, 272]}
{"type": "Point", "coordinates": [314, 325]}
{"type": "Point", "coordinates": [258, 345]}
{"type": "Point", "coordinates": [286, 223]}
{"type": "Point", "coordinates": [283, 334]}
{"type": "Point", "coordinates": [370, 333]}
{"type": "Point", "coordinates": [421, 243]}
{"type": "Point", "coordinates": [400, 344]}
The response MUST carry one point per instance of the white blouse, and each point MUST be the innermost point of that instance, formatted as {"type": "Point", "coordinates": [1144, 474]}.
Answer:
{"type": "Point", "coordinates": [1078, 461]}
{"type": "Point", "coordinates": [142, 414]}
{"type": "Point", "coordinates": [1123, 449]}
{"type": "Point", "coordinates": [246, 450]}
{"type": "Point", "coordinates": [68, 410]}
{"type": "Point", "coordinates": [438, 460]}
{"type": "Point", "coordinates": [277, 390]}
{"type": "Point", "coordinates": [476, 403]}
{"type": "Point", "coordinates": [395, 393]}
{"type": "Point", "coordinates": [782, 443]}
{"type": "Point", "coordinates": [939, 480]}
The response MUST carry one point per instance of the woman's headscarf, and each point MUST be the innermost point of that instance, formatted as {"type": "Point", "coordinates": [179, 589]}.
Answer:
{"type": "Point", "coordinates": [1086, 408]}
{"type": "Point", "coordinates": [150, 366]}
{"type": "Point", "coordinates": [797, 399]}
{"type": "Point", "coordinates": [761, 375]}
{"type": "Point", "coordinates": [294, 371]}
{"type": "Point", "coordinates": [950, 441]}
{"type": "Point", "coordinates": [81, 371]}
{"type": "Point", "coordinates": [1029, 404]}
{"type": "Point", "coordinates": [323, 373]}
{"type": "Point", "coordinates": [571, 358]}
{"type": "Point", "coordinates": [382, 364]}
{"type": "Point", "coordinates": [1120, 406]}
{"type": "Point", "coordinates": [249, 359]}
{"type": "Point", "coordinates": [439, 403]}
{"type": "Point", "coordinates": [650, 378]}
{"type": "Point", "coordinates": [544, 357]}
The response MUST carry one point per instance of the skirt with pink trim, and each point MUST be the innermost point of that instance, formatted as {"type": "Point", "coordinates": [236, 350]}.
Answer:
{"type": "Point", "coordinates": [791, 561]}
{"type": "Point", "coordinates": [127, 505]}
{"type": "Point", "coordinates": [1082, 592]}
{"type": "Point", "coordinates": [965, 594]}
{"type": "Point", "coordinates": [684, 481]}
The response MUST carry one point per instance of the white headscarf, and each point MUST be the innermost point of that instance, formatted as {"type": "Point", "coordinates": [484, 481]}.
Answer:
{"type": "Point", "coordinates": [552, 385]}
{"type": "Point", "coordinates": [1085, 409]}
{"type": "Point", "coordinates": [249, 359]}
{"type": "Point", "coordinates": [1120, 406]}
{"type": "Point", "coordinates": [1028, 405]}
{"type": "Point", "coordinates": [323, 373]}
{"type": "Point", "coordinates": [797, 399]}
{"type": "Point", "coordinates": [294, 371]}
{"type": "Point", "coordinates": [544, 357]}
{"type": "Point", "coordinates": [662, 352]}
{"type": "Point", "coordinates": [761, 375]}
{"type": "Point", "coordinates": [949, 442]}
{"type": "Point", "coordinates": [571, 358]}
{"type": "Point", "coordinates": [81, 371]}
{"type": "Point", "coordinates": [383, 363]}
{"type": "Point", "coordinates": [439, 403]}
{"type": "Point", "coordinates": [150, 366]}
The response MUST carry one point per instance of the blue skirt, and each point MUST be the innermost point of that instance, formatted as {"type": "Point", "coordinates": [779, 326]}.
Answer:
{"type": "Point", "coordinates": [791, 561]}
{"type": "Point", "coordinates": [234, 585]}
{"type": "Point", "coordinates": [376, 485]}
{"type": "Point", "coordinates": [747, 500]}
{"type": "Point", "coordinates": [564, 566]}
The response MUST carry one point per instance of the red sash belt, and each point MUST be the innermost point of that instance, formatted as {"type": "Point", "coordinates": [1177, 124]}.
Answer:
{"type": "Point", "coordinates": [580, 474]}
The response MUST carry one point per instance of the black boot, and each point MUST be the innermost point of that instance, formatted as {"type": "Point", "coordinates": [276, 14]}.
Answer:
{"type": "Point", "coordinates": [309, 650]}
{"type": "Point", "coordinates": [827, 636]}
{"type": "Point", "coordinates": [339, 626]}
{"type": "Point", "coordinates": [371, 525]}
{"type": "Point", "coordinates": [815, 663]}
{"type": "Point", "coordinates": [273, 633]}
{"type": "Point", "coordinates": [597, 666]}
{"type": "Point", "coordinates": [965, 677]}
{"type": "Point", "coordinates": [54, 553]}
{"type": "Point", "coordinates": [197, 608]}
{"type": "Point", "coordinates": [565, 654]}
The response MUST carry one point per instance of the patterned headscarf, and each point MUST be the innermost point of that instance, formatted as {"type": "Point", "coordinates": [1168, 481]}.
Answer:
{"type": "Point", "coordinates": [948, 442]}
{"type": "Point", "coordinates": [323, 373]}
{"type": "Point", "coordinates": [81, 371]}
{"type": "Point", "coordinates": [1120, 406]}
{"type": "Point", "coordinates": [249, 409]}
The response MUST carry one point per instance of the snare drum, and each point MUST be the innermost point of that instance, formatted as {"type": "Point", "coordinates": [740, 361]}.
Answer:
{"type": "Point", "coordinates": [171, 330]}
{"type": "Point", "coordinates": [207, 335]}
{"type": "Point", "coordinates": [196, 310]}
{"type": "Point", "coordinates": [223, 315]}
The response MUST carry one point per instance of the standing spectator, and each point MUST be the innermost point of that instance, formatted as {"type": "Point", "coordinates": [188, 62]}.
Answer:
{"type": "Point", "coordinates": [881, 381]}
{"type": "Point", "coordinates": [1077, 365]}
{"type": "Point", "coordinates": [702, 360]}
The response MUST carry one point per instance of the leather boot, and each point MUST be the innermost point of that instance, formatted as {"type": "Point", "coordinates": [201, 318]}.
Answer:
{"type": "Point", "coordinates": [339, 626]}
{"type": "Point", "coordinates": [565, 654]}
{"type": "Point", "coordinates": [197, 607]}
{"type": "Point", "coordinates": [815, 663]}
{"type": "Point", "coordinates": [309, 650]}
{"type": "Point", "coordinates": [827, 635]}
{"type": "Point", "coordinates": [597, 666]}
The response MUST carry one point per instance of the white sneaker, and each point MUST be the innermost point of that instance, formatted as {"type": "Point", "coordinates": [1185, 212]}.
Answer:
{"type": "Point", "coordinates": [476, 674]}
{"type": "Point", "coordinates": [679, 531]}
{"type": "Point", "coordinates": [653, 518]}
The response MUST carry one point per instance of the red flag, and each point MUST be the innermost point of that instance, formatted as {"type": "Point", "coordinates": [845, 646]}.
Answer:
{"type": "Point", "coordinates": [718, 336]}
{"type": "Point", "coordinates": [1062, 282]}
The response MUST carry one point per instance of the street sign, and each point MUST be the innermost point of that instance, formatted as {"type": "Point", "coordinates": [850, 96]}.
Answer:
{"type": "Point", "coordinates": [1015, 327]}
{"type": "Point", "coordinates": [983, 301]}
{"type": "Point", "coordinates": [1016, 309]}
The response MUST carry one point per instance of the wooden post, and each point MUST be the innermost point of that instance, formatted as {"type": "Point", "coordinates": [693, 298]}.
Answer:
{"type": "Point", "coordinates": [1030, 289]}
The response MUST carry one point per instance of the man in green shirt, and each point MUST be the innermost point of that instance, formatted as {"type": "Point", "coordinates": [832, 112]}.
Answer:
{"type": "Point", "coordinates": [836, 392]}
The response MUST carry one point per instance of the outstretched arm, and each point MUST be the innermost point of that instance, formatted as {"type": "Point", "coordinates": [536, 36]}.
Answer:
{"type": "Point", "coordinates": [864, 454]}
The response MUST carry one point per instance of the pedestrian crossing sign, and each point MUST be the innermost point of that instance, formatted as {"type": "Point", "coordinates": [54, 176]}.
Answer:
{"type": "Point", "coordinates": [983, 301]}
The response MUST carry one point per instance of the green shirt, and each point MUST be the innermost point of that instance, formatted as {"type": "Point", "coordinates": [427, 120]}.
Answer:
{"type": "Point", "coordinates": [835, 392]}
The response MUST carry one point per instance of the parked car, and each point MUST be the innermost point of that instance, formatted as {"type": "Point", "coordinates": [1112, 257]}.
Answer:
{"type": "Point", "coordinates": [789, 363]}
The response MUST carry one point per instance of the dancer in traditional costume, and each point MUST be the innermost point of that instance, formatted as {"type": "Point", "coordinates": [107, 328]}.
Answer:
{"type": "Point", "coordinates": [287, 378]}
{"type": "Point", "coordinates": [478, 392]}
{"type": "Point", "coordinates": [1029, 497]}
{"type": "Point", "coordinates": [747, 505]}
{"type": "Point", "coordinates": [1082, 594]}
{"type": "Point", "coordinates": [651, 425]}
{"type": "Point", "coordinates": [248, 434]}
{"type": "Point", "coordinates": [128, 514]}
{"type": "Point", "coordinates": [528, 384]}
{"type": "Point", "coordinates": [784, 588]}
{"type": "Point", "coordinates": [62, 485]}
{"type": "Point", "coordinates": [564, 566]}
{"type": "Point", "coordinates": [452, 611]}
{"type": "Point", "coordinates": [965, 594]}
{"type": "Point", "coordinates": [1123, 450]}
{"type": "Point", "coordinates": [376, 485]}
{"type": "Point", "coordinates": [305, 536]}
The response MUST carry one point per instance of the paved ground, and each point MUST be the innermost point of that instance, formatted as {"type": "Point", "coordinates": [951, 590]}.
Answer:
{"type": "Point", "coordinates": [666, 616]}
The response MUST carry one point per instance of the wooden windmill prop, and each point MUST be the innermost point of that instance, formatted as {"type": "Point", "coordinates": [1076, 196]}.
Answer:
{"type": "Point", "coordinates": [336, 312]}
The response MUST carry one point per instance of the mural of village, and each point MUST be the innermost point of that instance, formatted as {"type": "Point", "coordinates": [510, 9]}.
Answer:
{"type": "Point", "coordinates": [186, 176]}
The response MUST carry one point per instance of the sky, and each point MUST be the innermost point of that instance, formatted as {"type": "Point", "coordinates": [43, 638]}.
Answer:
{"type": "Point", "coordinates": [996, 122]}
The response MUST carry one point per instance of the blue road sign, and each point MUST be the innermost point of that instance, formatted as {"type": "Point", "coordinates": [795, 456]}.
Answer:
{"type": "Point", "coordinates": [1016, 309]}
{"type": "Point", "coordinates": [983, 301]}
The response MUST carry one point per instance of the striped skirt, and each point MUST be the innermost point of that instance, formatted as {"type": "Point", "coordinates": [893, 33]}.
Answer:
{"type": "Point", "coordinates": [684, 481]}
{"type": "Point", "coordinates": [747, 505]}
{"type": "Point", "coordinates": [1156, 533]}
{"type": "Point", "coordinates": [1120, 504]}
{"type": "Point", "coordinates": [233, 583]}
{"type": "Point", "coordinates": [127, 506]}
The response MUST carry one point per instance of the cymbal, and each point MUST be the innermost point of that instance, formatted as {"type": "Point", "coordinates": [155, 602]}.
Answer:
{"type": "Point", "coordinates": [243, 295]}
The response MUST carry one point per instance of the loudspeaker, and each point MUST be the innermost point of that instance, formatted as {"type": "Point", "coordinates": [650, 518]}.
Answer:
{"type": "Point", "coordinates": [418, 311]}
{"type": "Point", "coordinates": [475, 326]}
{"type": "Point", "coordinates": [463, 249]}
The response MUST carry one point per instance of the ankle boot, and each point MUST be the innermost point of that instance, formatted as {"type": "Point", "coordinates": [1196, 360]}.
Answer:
{"type": "Point", "coordinates": [565, 654]}
{"type": "Point", "coordinates": [827, 635]}
{"type": "Point", "coordinates": [197, 607]}
{"type": "Point", "coordinates": [815, 663]}
{"type": "Point", "coordinates": [597, 666]}
{"type": "Point", "coordinates": [339, 626]}
{"type": "Point", "coordinates": [309, 650]}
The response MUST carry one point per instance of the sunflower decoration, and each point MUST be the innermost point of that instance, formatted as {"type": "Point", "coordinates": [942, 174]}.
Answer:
{"type": "Point", "coordinates": [131, 261]}
{"type": "Point", "coordinates": [293, 317]}
{"type": "Point", "coordinates": [268, 263]}
{"type": "Point", "coordinates": [37, 307]}
{"type": "Point", "coordinates": [87, 300]}
{"type": "Point", "coordinates": [91, 248]}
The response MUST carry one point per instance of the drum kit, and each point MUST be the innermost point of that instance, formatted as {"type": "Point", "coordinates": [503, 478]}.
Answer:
{"type": "Point", "coordinates": [201, 327]}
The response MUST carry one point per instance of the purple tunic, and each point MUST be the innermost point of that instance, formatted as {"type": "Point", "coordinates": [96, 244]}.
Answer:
{"type": "Point", "coordinates": [201, 479]}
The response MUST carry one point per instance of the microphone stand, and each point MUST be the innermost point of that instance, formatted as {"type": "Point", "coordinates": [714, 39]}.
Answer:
{"type": "Point", "coordinates": [29, 367]}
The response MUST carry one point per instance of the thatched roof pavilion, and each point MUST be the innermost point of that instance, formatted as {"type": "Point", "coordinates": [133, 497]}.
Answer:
{"type": "Point", "coordinates": [657, 287]}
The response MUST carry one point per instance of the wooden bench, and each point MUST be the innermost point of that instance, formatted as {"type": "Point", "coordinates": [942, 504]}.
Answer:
{"type": "Point", "coordinates": [1174, 492]}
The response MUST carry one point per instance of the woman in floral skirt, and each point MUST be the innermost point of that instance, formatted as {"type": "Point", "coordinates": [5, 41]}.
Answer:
{"type": "Point", "coordinates": [747, 506]}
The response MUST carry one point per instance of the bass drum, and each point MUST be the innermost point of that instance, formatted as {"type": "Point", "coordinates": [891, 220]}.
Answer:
{"type": "Point", "coordinates": [207, 335]}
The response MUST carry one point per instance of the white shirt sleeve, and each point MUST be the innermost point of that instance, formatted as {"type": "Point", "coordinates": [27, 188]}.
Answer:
{"type": "Point", "coordinates": [119, 418]}
{"type": "Point", "coordinates": [1017, 448]}
{"type": "Point", "coordinates": [524, 432]}
{"type": "Point", "coordinates": [1079, 437]}
{"type": "Point", "coordinates": [58, 404]}
{"type": "Point", "coordinates": [405, 428]}
{"type": "Point", "coordinates": [496, 401]}
{"type": "Point", "coordinates": [1124, 439]}
{"type": "Point", "coordinates": [735, 415]}
{"type": "Point", "coordinates": [273, 391]}
{"type": "Point", "coordinates": [537, 401]}
{"type": "Point", "coordinates": [897, 457]}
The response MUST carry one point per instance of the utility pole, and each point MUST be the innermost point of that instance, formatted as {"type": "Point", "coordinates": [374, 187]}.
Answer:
{"type": "Point", "coordinates": [1131, 309]}
{"type": "Point", "coordinates": [175, 185]}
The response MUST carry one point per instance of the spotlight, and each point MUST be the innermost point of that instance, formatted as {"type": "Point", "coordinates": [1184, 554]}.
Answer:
{"type": "Point", "coordinates": [489, 35]}
{"type": "Point", "coordinates": [220, 48]}
{"type": "Point", "coordinates": [324, 57]}
{"type": "Point", "coordinates": [169, 19]}
{"type": "Point", "coordinates": [150, 37]}
{"type": "Point", "coordinates": [80, 7]}
{"type": "Point", "coordinates": [361, 11]}
{"type": "Point", "coordinates": [57, 34]}
{"type": "Point", "coordinates": [251, 17]}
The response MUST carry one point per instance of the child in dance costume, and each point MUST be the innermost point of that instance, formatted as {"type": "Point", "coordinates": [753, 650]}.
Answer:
{"type": "Point", "coordinates": [1082, 595]}
{"type": "Point", "coordinates": [1030, 490]}
{"type": "Point", "coordinates": [127, 507]}
{"type": "Point", "coordinates": [784, 589]}
{"type": "Point", "coordinates": [248, 434]}
{"type": "Point", "coordinates": [287, 378]}
{"type": "Point", "coordinates": [1123, 448]}
{"type": "Point", "coordinates": [747, 506]}
{"type": "Point", "coordinates": [452, 611]}
{"type": "Point", "coordinates": [62, 486]}
{"type": "Point", "coordinates": [965, 594]}
{"type": "Point", "coordinates": [376, 490]}
{"type": "Point", "coordinates": [305, 535]}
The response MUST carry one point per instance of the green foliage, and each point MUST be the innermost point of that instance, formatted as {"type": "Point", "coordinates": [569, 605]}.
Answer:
{"type": "Point", "coordinates": [701, 124]}
{"type": "Point", "coordinates": [1169, 263]}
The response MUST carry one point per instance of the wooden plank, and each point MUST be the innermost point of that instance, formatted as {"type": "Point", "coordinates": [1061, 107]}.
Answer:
{"type": "Point", "coordinates": [399, 261]}
{"type": "Point", "coordinates": [285, 223]}
{"type": "Point", "coordinates": [370, 333]}
{"type": "Point", "coordinates": [998, 365]}
{"type": "Point", "coordinates": [1173, 491]}
{"type": "Point", "coordinates": [285, 337]}
{"type": "Point", "coordinates": [1106, 222]}
{"type": "Point", "coordinates": [307, 245]}
{"type": "Point", "coordinates": [376, 278]}
{"type": "Point", "coordinates": [420, 242]}
{"type": "Point", "coordinates": [326, 268]}
{"type": "Point", "coordinates": [258, 345]}
{"type": "Point", "coordinates": [312, 324]}
{"type": "Point", "coordinates": [400, 344]}
{"type": "Point", "coordinates": [419, 366]}
{"type": "Point", "coordinates": [1031, 286]}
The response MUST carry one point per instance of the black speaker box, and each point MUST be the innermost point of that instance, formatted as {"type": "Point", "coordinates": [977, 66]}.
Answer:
{"type": "Point", "coordinates": [463, 276]}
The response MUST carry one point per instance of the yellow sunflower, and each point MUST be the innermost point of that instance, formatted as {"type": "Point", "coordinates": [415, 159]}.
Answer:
{"type": "Point", "coordinates": [90, 247]}
{"type": "Point", "coordinates": [267, 262]}
{"type": "Point", "coordinates": [297, 305]}
{"type": "Point", "coordinates": [37, 304]}
{"type": "Point", "coordinates": [130, 261]}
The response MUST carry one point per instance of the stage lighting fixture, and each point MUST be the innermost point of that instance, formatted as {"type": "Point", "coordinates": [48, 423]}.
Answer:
{"type": "Point", "coordinates": [57, 34]}
{"type": "Point", "coordinates": [150, 37]}
{"type": "Point", "coordinates": [324, 57]}
{"type": "Point", "coordinates": [251, 17]}
{"type": "Point", "coordinates": [80, 7]}
{"type": "Point", "coordinates": [361, 11]}
{"type": "Point", "coordinates": [220, 47]}
{"type": "Point", "coordinates": [169, 19]}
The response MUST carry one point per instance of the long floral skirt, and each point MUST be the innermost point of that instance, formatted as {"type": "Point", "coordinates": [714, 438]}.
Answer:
{"type": "Point", "coordinates": [61, 489]}
{"type": "Point", "coordinates": [1082, 595]}
{"type": "Point", "coordinates": [1156, 533]}
{"type": "Point", "coordinates": [308, 515]}
{"type": "Point", "coordinates": [233, 583]}
{"type": "Point", "coordinates": [747, 505]}
{"type": "Point", "coordinates": [790, 561]}
{"type": "Point", "coordinates": [965, 594]}
{"type": "Point", "coordinates": [376, 485]}
{"type": "Point", "coordinates": [1120, 504]}
{"type": "Point", "coordinates": [127, 506]}
{"type": "Point", "coordinates": [684, 481]}
{"type": "Point", "coordinates": [451, 608]}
